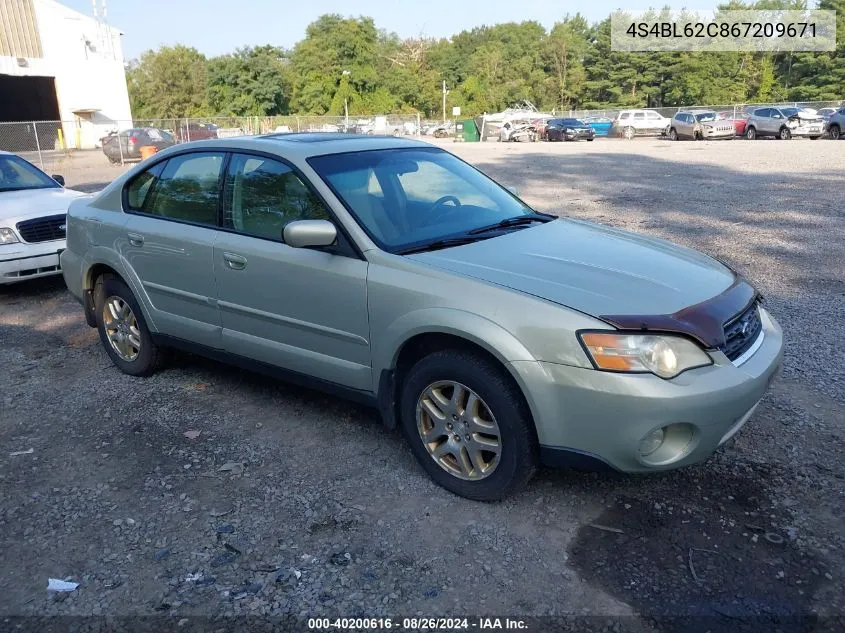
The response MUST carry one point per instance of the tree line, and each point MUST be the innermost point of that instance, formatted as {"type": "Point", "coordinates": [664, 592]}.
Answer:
{"type": "Point", "coordinates": [350, 62]}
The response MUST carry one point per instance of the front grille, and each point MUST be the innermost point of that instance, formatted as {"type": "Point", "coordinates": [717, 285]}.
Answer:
{"type": "Point", "coordinates": [741, 332]}
{"type": "Point", "coordinates": [43, 229]}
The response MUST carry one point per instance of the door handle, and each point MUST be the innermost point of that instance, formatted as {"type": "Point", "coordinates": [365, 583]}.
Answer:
{"type": "Point", "coordinates": [235, 262]}
{"type": "Point", "coordinates": [135, 239]}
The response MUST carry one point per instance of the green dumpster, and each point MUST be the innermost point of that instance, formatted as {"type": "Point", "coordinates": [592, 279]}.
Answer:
{"type": "Point", "coordinates": [470, 129]}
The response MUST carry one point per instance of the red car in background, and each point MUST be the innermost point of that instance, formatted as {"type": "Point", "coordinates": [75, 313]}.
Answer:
{"type": "Point", "coordinates": [196, 132]}
{"type": "Point", "coordinates": [740, 119]}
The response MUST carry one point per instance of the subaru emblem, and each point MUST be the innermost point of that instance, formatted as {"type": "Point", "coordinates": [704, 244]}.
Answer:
{"type": "Point", "coordinates": [746, 325]}
{"type": "Point", "coordinates": [63, 227]}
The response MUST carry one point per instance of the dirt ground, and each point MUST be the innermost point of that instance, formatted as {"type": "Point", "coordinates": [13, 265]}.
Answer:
{"type": "Point", "coordinates": [291, 503]}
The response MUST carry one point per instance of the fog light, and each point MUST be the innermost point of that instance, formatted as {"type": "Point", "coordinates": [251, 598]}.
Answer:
{"type": "Point", "coordinates": [652, 442]}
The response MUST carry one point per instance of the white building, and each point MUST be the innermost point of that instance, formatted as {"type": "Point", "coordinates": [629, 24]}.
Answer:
{"type": "Point", "coordinates": [60, 65]}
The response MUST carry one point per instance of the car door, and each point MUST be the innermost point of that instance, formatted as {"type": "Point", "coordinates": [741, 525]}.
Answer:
{"type": "Point", "coordinates": [654, 121]}
{"type": "Point", "coordinates": [301, 309]}
{"type": "Point", "coordinates": [640, 120]}
{"type": "Point", "coordinates": [168, 243]}
{"type": "Point", "coordinates": [771, 121]}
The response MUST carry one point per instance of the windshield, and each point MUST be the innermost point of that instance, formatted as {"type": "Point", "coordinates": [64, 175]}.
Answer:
{"type": "Point", "coordinates": [789, 111]}
{"type": "Point", "coordinates": [408, 197]}
{"type": "Point", "coordinates": [573, 122]}
{"type": "Point", "coordinates": [704, 117]}
{"type": "Point", "coordinates": [17, 174]}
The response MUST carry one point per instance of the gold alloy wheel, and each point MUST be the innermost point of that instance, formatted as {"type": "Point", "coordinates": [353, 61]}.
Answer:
{"type": "Point", "coordinates": [121, 328]}
{"type": "Point", "coordinates": [458, 430]}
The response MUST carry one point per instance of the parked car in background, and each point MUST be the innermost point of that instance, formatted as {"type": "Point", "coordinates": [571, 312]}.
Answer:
{"type": "Point", "coordinates": [441, 130]}
{"type": "Point", "coordinates": [196, 132]}
{"type": "Point", "coordinates": [127, 144]}
{"type": "Point", "coordinates": [835, 125]}
{"type": "Point", "coordinates": [826, 113]}
{"type": "Point", "coordinates": [699, 125]}
{"type": "Point", "coordinates": [631, 123]}
{"type": "Point", "coordinates": [568, 130]}
{"type": "Point", "coordinates": [738, 119]}
{"type": "Point", "coordinates": [32, 220]}
{"type": "Point", "coordinates": [392, 272]}
{"type": "Point", "coordinates": [601, 125]}
{"type": "Point", "coordinates": [783, 122]}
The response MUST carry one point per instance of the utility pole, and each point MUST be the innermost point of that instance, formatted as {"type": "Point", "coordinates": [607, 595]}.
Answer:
{"type": "Point", "coordinates": [445, 92]}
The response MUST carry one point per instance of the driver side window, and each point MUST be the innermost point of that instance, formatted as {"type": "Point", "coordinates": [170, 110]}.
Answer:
{"type": "Point", "coordinates": [431, 182]}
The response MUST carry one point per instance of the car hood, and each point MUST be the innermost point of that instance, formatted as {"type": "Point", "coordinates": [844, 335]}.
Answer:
{"type": "Point", "coordinates": [594, 269]}
{"type": "Point", "coordinates": [36, 202]}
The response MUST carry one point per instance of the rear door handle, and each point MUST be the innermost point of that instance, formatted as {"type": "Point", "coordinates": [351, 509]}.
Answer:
{"type": "Point", "coordinates": [135, 239]}
{"type": "Point", "coordinates": [235, 262]}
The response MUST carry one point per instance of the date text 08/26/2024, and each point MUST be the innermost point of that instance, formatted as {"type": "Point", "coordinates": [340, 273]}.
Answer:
{"type": "Point", "coordinates": [416, 624]}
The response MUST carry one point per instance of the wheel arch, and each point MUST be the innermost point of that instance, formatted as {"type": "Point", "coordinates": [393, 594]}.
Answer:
{"type": "Point", "coordinates": [435, 330]}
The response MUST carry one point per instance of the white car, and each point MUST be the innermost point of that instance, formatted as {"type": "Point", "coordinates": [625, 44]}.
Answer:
{"type": "Point", "coordinates": [631, 123]}
{"type": "Point", "coordinates": [32, 220]}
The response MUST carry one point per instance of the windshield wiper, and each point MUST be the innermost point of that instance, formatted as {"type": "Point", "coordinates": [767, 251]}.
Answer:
{"type": "Point", "coordinates": [438, 244]}
{"type": "Point", "coordinates": [516, 221]}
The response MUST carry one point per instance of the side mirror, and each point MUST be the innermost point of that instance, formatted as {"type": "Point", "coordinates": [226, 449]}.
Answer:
{"type": "Point", "coordinates": [58, 179]}
{"type": "Point", "coordinates": [513, 189]}
{"type": "Point", "coordinates": [309, 233]}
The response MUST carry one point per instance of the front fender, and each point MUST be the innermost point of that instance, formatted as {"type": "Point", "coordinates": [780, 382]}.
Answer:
{"type": "Point", "coordinates": [440, 320]}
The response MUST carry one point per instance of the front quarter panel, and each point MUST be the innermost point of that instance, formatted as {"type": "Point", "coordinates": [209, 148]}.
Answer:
{"type": "Point", "coordinates": [408, 298]}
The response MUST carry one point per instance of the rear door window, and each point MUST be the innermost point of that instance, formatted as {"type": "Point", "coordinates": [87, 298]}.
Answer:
{"type": "Point", "coordinates": [185, 190]}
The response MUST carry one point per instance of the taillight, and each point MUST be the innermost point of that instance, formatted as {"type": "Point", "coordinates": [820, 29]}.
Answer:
{"type": "Point", "coordinates": [133, 139]}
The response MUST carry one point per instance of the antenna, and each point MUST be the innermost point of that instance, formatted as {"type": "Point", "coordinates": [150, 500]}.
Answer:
{"type": "Point", "coordinates": [108, 30]}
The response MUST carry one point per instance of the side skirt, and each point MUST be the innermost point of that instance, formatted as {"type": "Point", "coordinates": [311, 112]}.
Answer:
{"type": "Point", "coordinates": [303, 380]}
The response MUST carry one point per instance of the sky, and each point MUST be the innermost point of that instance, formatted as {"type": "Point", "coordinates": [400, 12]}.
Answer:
{"type": "Point", "coordinates": [215, 27]}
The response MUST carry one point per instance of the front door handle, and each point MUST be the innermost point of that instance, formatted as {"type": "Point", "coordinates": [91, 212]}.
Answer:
{"type": "Point", "coordinates": [135, 239]}
{"type": "Point", "coordinates": [235, 262]}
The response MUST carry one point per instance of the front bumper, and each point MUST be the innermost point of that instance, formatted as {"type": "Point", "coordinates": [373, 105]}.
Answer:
{"type": "Point", "coordinates": [808, 130]}
{"type": "Point", "coordinates": [603, 416]}
{"type": "Point", "coordinates": [22, 261]}
{"type": "Point", "coordinates": [716, 133]}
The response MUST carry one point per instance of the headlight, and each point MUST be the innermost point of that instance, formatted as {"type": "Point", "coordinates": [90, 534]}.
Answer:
{"type": "Point", "coordinates": [663, 355]}
{"type": "Point", "coordinates": [7, 236]}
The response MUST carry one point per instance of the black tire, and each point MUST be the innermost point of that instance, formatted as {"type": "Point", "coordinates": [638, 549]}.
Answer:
{"type": "Point", "coordinates": [591, 139]}
{"type": "Point", "coordinates": [150, 357]}
{"type": "Point", "coordinates": [784, 134]}
{"type": "Point", "coordinates": [750, 133]}
{"type": "Point", "coordinates": [673, 134]}
{"type": "Point", "coordinates": [520, 452]}
{"type": "Point", "coordinates": [814, 138]}
{"type": "Point", "coordinates": [834, 132]}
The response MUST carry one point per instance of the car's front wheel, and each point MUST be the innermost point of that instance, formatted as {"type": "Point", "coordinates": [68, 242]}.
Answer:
{"type": "Point", "coordinates": [468, 425]}
{"type": "Point", "coordinates": [750, 133]}
{"type": "Point", "coordinates": [785, 134]}
{"type": "Point", "coordinates": [673, 134]}
{"type": "Point", "coordinates": [629, 132]}
{"type": "Point", "coordinates": [123, 331]}
{"type": "Point", "coordinates": [834, 132]}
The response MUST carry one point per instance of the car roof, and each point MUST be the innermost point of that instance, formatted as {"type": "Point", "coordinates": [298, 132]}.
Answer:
{"type": "Point", "coordinates": [306, 144]}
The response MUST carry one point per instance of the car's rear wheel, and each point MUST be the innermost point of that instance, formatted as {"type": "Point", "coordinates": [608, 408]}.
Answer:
{"type": "Point", "coordinates": [468, 425]}
{"type": "Point", "coordinates": [123, 331]}
{"type": "Point", "coordinates": [750, 133]}
{"type": "Point", "coordinates": [834, 132]}
{"type": "Point", "coordinates": [784, 134]}
{"type": "Point", "coordinates": [673, 134]}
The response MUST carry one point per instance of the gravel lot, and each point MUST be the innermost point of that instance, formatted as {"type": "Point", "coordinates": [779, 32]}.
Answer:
{"type": "Point", "coordinates": [294, 503]}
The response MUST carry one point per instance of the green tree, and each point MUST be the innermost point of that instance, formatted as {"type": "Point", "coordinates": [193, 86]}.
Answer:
{"type": "Point", "coordinates": [250, 82]}
{"type": "Point", "coordinates": [168, 83]}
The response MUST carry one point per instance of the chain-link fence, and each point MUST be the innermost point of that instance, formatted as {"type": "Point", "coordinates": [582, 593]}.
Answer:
{"type": "Point", "coordinates": [82, 152]}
